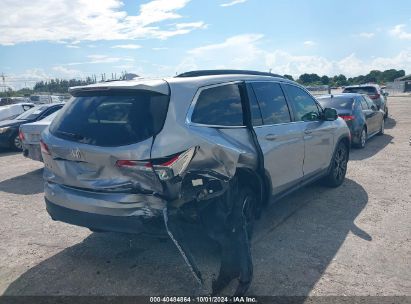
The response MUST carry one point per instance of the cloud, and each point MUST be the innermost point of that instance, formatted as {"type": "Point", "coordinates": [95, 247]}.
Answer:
{"type": "Point", "coordinates": [65, 72]}
{"type": "Point", "coordinates": [234, 2]}
{"type": "Point", "coordinates": [79, 20]}
{"type": "Point", "coordinates": [309, 43]}
{"type": "Point", "coordinates": [399, 32]}
{"type": "Point", "coordinates": [366, 35]}
{"type": "Point", "coordinates": [127, 46]}
{"type": "Point", "coordinates": [25, 79]}
{"type": "Point", "coordinates": [245, 52]}
{"type": "Point", "coordinates": [97, 58]}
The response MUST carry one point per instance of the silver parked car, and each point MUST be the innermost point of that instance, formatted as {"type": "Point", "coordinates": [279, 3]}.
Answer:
{"type": "Point", "coordinates": [211, 146]}
{"type": "Point", "coordinates": [30, 136]}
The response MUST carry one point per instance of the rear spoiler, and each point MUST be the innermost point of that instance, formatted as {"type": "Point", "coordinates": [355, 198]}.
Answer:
{"type": "Point", "coordinates": [158, 85]}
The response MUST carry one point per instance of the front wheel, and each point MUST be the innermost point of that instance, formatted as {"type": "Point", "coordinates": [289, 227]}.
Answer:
{"type": "Point", "coordinates": [382, 128]}
{"type": "Point", "coordinates": [338, 166]}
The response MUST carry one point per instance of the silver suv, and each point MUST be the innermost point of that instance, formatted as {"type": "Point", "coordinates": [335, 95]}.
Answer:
{"type": "Point", "coordinates": [212, 146]}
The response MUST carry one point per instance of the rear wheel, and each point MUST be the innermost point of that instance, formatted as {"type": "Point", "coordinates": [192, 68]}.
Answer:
{"type": "Point", "coordinates": [16, 143]}
{"type": "Point", "coordinates": [363, 138]}
{"type": "Point", "coordinates": [248, 200]}
{"type": "Point", "coordinates": [338, 166]}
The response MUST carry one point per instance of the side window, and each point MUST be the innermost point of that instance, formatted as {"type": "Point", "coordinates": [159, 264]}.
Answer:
{"type": "Point", "coordinates": [369, 102]}
{"type": "Point", "coordinates": [256, 118]}
{"type": "Point", "coordinates": [274, 109]}
{"type": "Point", "coordinates": [219, 106]}
{"type": "Point", "coordinates": [305, 107]}
{"type": "Point", "coordinates": [364, 104]}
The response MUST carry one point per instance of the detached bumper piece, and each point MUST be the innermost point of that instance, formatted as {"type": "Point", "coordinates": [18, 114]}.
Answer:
{"type": "Point", "coordinates": [224, 222]}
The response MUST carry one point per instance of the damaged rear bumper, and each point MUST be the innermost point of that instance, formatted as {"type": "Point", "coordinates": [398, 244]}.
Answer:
{"type": "Point", "coordinates": [119, 212]}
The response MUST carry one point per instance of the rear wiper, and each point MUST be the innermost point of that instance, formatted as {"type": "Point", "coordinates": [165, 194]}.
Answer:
{"type": "Point", "coordinates": [72, 135]}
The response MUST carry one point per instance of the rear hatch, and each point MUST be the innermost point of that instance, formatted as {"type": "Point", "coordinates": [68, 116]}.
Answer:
{"type": "Point", "coordinates": [100, 132]}
{"type": "Point", "coordinates": [30, 133]}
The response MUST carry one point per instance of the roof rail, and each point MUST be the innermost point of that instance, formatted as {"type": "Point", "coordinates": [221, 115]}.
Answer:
{"type": "Point", "coordinates": [225, 72]}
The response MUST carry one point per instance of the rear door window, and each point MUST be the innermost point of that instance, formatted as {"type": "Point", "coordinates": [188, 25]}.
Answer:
{"type": "Point", "coordinates": [219, 106]}
{"type": "Point", "coordinates": [274, 108]}
{"type": "Point", "coordinates": [369, 102]}
{"type": "Point", "coordinates": [305, 107]}
{"type": "Point", "coordinates": [364, 104]}
{"type": "Point", "coordinates": [115, 118]}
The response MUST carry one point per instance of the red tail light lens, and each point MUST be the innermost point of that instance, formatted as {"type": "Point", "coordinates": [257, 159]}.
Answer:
{"type": "Point", "coordinates": [165, 168]}
{"type": "Point", "coordinates": [21, 135]}
{"type": "Point", "coordinates": [375, 96]}
{"type": "Point", "coordinates": [44, 148]}
{"type": "Point", "coordinates": [347, 117]}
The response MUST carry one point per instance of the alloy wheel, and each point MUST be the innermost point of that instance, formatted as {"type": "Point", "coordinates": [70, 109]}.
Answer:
{"type": "Point", "coordinates": [340, 163]}
{"type": "Point", "coordinates": [363, 138]}
{"type": "Point", "coordinates": [17, 143]}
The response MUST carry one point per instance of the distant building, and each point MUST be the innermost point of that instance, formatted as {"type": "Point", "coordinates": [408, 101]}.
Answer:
{"type": "Point", "coordinates": [403, 78]}
{"type": "Point", "coordinates": [405, 81]}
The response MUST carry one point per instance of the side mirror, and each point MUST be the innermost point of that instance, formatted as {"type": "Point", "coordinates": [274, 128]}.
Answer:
{"type": "Point", "coordinates": [330, 114]}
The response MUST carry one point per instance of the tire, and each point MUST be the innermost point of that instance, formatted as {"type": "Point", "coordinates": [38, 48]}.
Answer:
{"type": "Point", "coordinates": [362, 139]}
{"type": "Point", "coordinates": [382, 128]}
{"type": "Point", "coordinates": [338, 167]}
{"type": "Point", "coordinates": [16, 143]}
{"type": "Point", "coordinates": [248, 202]}
{"type": "Point", "coordinates": [386, 113]}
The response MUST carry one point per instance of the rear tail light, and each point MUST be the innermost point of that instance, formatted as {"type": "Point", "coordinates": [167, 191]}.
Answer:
{"type": "Point", "coordinates": [165, 168]}
{"type": "Point", "coordinates": [347, 117]}
{"type": "Point", "coordinates": [374, 96]}
{"type": "Point", "coordinates": [21, 135]}
{"type": "Point", "coordinates": [44, 148]}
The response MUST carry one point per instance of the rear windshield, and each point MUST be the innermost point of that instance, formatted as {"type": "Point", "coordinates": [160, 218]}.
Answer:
{"type": "Point", "coordinates": [361, 90]}
{"type": "Point", "coordinates": [336, 103]}
{"type": "Point", "coordinates": [33, 113]}
{"type": "Point", "coordinates": [115, 118]}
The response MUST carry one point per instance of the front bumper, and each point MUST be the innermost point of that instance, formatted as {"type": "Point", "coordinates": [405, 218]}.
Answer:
{"type": "Point", "coordinates": [118, 212]}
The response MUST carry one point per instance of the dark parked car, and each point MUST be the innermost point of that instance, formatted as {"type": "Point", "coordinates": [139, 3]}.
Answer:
{"type": "Point", "coordinates": [9, 129]}
{"type": "Point", "coordinates": [359, 112]}
{"type": "Point", "coordinates": [378, 95]}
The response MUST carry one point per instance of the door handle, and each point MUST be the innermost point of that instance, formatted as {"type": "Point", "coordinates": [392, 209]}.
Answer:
{"type": "Point", "coordinates": [308, 131]}
{"type": "Point", "coordinates": [271, 137]}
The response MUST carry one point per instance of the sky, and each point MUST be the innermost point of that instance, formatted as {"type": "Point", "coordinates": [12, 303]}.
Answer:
{"type": "Point", "coordinates": [44, 39]}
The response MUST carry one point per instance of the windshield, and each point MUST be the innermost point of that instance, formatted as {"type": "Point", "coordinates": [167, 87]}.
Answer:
{"type": "Point", "coordinates": [361, 90]}
{"type": "Point", "coordinates": [33, 113]}
{"type": "Point", "coordinates": [112, 119]}
{"type": "Point", "coordinates": [336, 102]}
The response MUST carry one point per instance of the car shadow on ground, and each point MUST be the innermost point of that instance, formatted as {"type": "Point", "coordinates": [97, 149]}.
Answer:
{"type": "Point", "coordinates": [390, 123]}
{"type": "Point", "coordinates": [293, 243]}
{"type": "Point", "coordinates": [372, 147]}
{"type": "Point", "coordinates": [7, 152]}
{"type": "Point", "coordinates": [26, 184]}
